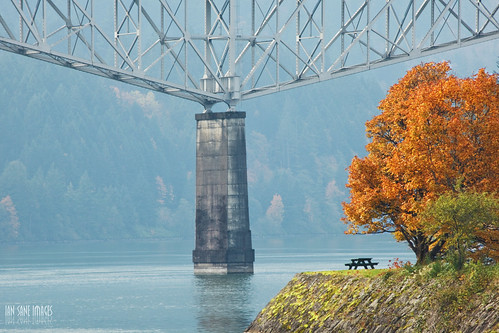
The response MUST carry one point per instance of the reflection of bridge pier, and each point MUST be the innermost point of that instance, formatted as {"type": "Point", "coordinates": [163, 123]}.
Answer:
{"type": "Point", "coordinates": [223, 236]}
{"type": "Point", "coordinates": [213, 295]}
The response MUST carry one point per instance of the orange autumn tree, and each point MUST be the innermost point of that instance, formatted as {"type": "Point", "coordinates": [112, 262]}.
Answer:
{"type": "Point", "coordinates": [434, 131]}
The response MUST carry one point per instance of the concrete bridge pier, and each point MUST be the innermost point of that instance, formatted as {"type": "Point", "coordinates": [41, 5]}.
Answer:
{"type": "Point", "coordinates": [223, 236]}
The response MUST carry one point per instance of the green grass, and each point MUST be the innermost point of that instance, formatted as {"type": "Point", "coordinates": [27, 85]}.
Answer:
{"type": "Point", "coordinates": [358, 272]}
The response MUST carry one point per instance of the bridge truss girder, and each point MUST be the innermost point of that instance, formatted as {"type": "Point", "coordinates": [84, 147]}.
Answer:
{"type": "Point", "coordinates": [212, 51]}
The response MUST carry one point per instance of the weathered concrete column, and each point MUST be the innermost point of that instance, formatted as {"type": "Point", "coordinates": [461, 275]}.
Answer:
{"type": "Point", "coordinates": [223, 236]}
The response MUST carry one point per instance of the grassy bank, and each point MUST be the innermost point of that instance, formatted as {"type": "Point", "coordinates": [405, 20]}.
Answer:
{"type": "Point", "coordinates": [432, 298]}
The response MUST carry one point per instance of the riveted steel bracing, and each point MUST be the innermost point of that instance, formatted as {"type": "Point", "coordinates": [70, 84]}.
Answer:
{"type": "Point", "coordinates": [212, 51]}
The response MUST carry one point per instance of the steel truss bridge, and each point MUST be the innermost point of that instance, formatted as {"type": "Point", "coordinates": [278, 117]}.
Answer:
{"type": "Point", "coordinates": [213, 51]}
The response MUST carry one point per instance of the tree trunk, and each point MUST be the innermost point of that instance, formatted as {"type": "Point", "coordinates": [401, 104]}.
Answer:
{"type": "Point", "coordinates": [422, 249]}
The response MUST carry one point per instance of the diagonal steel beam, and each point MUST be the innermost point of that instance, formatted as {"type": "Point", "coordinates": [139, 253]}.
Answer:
{"type": "Point", "coordinates": [229, 50]}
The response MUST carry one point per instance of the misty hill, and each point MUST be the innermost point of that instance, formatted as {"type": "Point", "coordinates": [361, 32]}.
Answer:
{"type": "Point", "coordinates": [83, 157]}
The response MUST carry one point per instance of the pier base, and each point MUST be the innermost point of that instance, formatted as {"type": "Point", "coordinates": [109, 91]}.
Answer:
{"type": "Point", "coordinates": [223, 236]}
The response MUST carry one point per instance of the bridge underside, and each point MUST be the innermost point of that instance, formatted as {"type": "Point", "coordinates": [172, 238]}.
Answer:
{"type": "Point", "coordinates": [226, 51]}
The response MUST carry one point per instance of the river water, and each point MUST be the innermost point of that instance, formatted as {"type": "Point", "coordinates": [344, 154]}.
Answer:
{"type": "Point", "coordinates": [149, 286]}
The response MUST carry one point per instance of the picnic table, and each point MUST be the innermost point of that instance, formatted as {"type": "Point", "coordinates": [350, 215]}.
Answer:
{"type": "Point", "coordinates": [364, 262]}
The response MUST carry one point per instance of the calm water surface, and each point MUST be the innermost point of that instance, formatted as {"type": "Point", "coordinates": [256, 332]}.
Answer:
{"type": "Point", "coordinates": [139, 286]}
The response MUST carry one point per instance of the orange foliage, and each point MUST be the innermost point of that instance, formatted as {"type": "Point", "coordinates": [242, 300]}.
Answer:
{"type": "Point", "coordinates": [398, 263]}
{"type": "Point", "coordinates": [435, 130]}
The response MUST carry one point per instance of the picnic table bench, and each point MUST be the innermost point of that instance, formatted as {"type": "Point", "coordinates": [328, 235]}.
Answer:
{"type": "Point", "coordinates": [364, 262]}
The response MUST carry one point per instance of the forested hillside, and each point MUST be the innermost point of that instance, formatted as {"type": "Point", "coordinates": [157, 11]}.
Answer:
{"type": "Point", "coordinates": [299, 144]}
{"type": "Point", "coordinates": [82, 157]}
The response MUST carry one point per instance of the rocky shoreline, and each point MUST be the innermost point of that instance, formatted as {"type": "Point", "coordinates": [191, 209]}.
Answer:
{"type": "Point", "coordinates": [384, 301]}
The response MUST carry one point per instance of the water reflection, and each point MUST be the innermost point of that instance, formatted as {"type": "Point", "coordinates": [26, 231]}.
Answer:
{"type": "Point", "coordinates": [223, 302]}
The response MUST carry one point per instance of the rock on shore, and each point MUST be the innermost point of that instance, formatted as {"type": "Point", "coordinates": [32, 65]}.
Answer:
{"type": "Point", "coordinates": [426, 300]}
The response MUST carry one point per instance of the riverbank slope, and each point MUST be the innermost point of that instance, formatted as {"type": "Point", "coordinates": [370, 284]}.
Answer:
{"type": "Point", "coordinates": [434, 298]}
